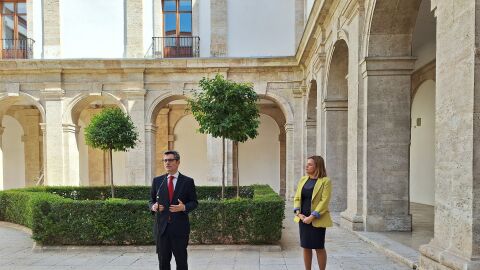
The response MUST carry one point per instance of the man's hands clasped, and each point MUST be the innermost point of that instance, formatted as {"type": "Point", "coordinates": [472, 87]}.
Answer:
{"type": "Point", "coordinates": [180, 207]}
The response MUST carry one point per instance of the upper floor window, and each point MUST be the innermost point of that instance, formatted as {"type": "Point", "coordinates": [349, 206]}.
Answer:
{"type": "Point", "coordinates": [13, 29]}
{"type": "Point", "coordinates": [13, 19]}
{"type": "Point", "coordinates": [177, 18]}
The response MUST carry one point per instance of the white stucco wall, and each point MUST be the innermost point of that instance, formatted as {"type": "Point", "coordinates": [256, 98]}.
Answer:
{"type": "Point", "coordinates": [192, 147]}
{"type": "Point", "coordinates": [259, 159]}
{"type": "Point", "coordinates": [37, 29]}
{"type": "Point", "coordinates": [204, 27]}
{"type": "Point", "coordinates": [13, 154]}
{"type": "Point", "coordinates": [147, 24]}
{"type": "Point", "coordinates": [261, 28]}
{"type": "Point", "coordinates": [422, 148]}
{"type": "Point", "coordinates": [92, 29]}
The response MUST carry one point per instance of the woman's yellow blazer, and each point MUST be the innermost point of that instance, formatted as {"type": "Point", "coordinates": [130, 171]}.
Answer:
{"type": "Point", "coordinates": [320, 200]}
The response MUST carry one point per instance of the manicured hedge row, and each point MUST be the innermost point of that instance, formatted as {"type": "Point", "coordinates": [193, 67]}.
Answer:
{"type": "Point", "coordinates": [77, 217]}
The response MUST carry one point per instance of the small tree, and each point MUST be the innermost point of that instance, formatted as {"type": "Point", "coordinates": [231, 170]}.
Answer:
{"type": "Point", "coordinates": [109, 130]}
{"type": "Point", "coordinates": [227, 110]}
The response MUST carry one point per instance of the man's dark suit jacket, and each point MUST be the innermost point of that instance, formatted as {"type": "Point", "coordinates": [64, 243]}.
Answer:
{"type": "Point", "coordinates": [185, 191]}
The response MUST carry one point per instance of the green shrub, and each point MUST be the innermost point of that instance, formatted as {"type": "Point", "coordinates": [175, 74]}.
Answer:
{"type": "Point", "coordinates": [82, 215]}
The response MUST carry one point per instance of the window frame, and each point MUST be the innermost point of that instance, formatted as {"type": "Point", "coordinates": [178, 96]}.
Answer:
{"type": "Point", "coordinates": [177, 12]}
{"type": "Point", "coordinates": [15, 16]}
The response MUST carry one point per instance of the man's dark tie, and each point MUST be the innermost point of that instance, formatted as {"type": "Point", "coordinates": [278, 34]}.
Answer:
{"type": "Point", "coordinates": [170, 187]}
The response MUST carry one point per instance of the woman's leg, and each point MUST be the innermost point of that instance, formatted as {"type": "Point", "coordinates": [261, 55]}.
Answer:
{"type": "Point", "coordinates": [322, 258]}
{"type": "Point", "coordinates": [307, 258]}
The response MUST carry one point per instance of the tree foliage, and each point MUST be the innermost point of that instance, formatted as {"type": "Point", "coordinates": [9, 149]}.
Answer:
{"type": "Point", "coordinates": [111, 130]}
{"type": "Point", "coordinates": [226, 109]}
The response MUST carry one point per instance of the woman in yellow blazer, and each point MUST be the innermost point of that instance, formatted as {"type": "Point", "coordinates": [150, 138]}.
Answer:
{"type": "Point", "coordinates": [311, 211]}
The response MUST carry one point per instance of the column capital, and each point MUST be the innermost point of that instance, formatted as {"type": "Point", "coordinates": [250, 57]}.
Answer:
{"type": "Point", "coordinates": [149, 128]}
{"type": "Point", "coordinates": [387, 66]}
{"type": "Point", "coordinates": [300, 91]}
{"type": "Point", "coordinates": [335, 105]}
{"type": "Point", "coordinates": [310, 123]}
{"type": "Point", "coordinates": [52, 91]}
{"type": "Point", "coordinates": [70, 128]}
{"type": "Point", "coordinates": [289, 127]}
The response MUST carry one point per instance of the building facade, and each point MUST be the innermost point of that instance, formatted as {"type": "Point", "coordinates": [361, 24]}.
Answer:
{"type": "Point", "coordinates": [385, 90]}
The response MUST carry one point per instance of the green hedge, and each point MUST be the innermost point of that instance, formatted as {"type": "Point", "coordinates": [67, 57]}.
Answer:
{"type": "Point", "coordinates": [80, 216]}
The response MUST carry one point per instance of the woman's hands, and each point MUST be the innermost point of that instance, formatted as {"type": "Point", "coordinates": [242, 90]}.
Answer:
{"type": "Point", "coordinates": [305, 219]}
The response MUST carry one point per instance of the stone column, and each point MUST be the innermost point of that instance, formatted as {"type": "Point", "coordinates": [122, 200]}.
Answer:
{"type": "Point", "coordinates": [214, 155]}
{"type": "Point", "coordinates": [150, 153]}
{"type": "Point", "coordinates": [134, 29]}
{"type": "Point", "coordinates": [157, 18]}
{"type": "Point", "coordinates": [336, 113]}
{"type": "Point", "coordinates": [456, 242]}
{"type": "Point", "coordinates": [294, 141]}
{"type": "Point", "coordinates": [51, 29]}
{"type": "Point", "coordinates": [72, 156]}
{"type": "Point", "coordinates": [135, 158]}
{"type": "Point", "coordinates": [311, 137]}
{"type": "Point", "coordinates": [2, 129]}
{"type": "Point", "coordinates": [30, 119]}
{"type": "Point", "coordinates": [386, 143]}
{"type": "Point", "coordinates": [54, 161]}
{"type": "Point", "coordinates": [283, 149]}
{"type": "Point", "coordinates": [300, 20]}
{"type": "Point", "coordinates": [219, 28]}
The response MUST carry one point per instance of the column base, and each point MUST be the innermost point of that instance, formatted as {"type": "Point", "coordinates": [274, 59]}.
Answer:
{"type": "Point", "coordinates": [351, 222]}
{"type": "Point", "coordinates": [401, 223]}
{"type": "Point", "coordinates": [434, 257]}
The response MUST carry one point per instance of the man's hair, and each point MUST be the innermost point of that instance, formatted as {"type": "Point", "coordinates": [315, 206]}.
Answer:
{"type": "Point", "coordinates": [175, 154]}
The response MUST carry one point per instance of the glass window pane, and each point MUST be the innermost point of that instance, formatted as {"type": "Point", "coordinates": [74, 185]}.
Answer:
{"type": "Point", "coordinates": [185, 5]}
{"type": "Point", "coordinates": [7, 27]}
{"type": "Point", "coordinates": [170, 23]}
{"type": "Point", "coordinates": [22, 26]}
{"type": "Point", "coordinates": [8, 8]}
{"type": "Point", "coordinates": [169, 5]}
{"type": "Point", "coordinates": [185, 23]}
{"type": "Point", "coordinates": [22, 8]}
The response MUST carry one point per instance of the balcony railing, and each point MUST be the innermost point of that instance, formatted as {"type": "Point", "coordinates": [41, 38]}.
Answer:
{"type": "Point", "coordinates": [174, 47]}
{"type": "Point", "coordinates": [17, 48]}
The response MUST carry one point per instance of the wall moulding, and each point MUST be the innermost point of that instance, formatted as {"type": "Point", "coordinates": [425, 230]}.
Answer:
{"type": "Point", "coordinates": [335, 105]}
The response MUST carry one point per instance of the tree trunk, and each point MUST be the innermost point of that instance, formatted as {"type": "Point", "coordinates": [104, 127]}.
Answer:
{"type": "Point", "coordinates": [111, 173]}
{"type": "Point", "coordinates": [237, 169]}
{"type": "Point", "coordinates": [223, 167]}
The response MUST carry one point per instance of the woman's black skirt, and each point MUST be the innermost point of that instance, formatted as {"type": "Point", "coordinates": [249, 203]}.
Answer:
{"type": "Point", "coordinates": [311, 237]}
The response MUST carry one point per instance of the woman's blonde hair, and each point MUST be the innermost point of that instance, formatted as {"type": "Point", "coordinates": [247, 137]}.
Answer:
{"type": "Point", "coordinates": [320, 170]}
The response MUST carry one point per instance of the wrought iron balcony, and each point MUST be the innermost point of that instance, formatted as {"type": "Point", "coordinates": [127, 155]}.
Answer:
{"type": "Point", "coordinates": [17, 48]}
{"type": "Point", "coordinates": [175, 47]}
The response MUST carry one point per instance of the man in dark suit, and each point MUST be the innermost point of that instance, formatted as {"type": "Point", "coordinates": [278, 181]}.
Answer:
{"type": "Point", "coordinates": [172, 197]}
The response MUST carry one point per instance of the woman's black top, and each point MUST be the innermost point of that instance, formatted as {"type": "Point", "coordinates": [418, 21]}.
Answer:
{"type": "Point", "coordinates": [307, 192]}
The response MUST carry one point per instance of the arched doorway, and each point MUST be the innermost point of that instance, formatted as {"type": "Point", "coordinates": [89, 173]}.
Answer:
{"type": "Point", "coordinates": [91, 167]}
{"type": "Point", "coordinates": [176, 129]}
{"type": "Point", "coordinates": [21, 142]}
{"type": "Point", "coordinates": [335, 125]}
{"type": "Point", "coordinates": [263, 159]}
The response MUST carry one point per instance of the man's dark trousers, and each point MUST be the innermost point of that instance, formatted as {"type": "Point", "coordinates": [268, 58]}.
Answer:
{"type": "Point", "coordinates": [171, 243]}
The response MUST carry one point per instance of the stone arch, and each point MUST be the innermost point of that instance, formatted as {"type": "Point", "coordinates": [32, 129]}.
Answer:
{"type": "Point", "coordinates": [160, 102]}
{"type": "Point", "coordinates": [30, 114]}
{"type": "Point", "coordinates": [389, 27]}
{"type": "Point", "coordinates": [81, 101]}
{"type": "Point", "coordinates": [88, 166]}
{"type": "Point", "coordinates": [163, 120]}
{"type": "Point", "coordinates": [335, 122]}
{"type": "Point", "coordinates": [282, 104]}
{"type": "Point", "coordinates": [7, 100]}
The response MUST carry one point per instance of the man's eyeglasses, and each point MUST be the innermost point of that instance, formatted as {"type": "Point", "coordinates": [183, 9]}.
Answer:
{"type": "Point", "coordinates": [169, 160]}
